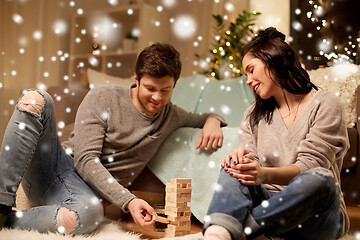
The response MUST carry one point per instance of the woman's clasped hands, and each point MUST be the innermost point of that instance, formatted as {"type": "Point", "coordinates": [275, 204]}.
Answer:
{"type": "Point", "coordinates": [242, 165]}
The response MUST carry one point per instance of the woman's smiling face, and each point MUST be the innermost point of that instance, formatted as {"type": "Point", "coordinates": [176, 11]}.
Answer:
{"type": "Point", "coordinates": [258, 77]}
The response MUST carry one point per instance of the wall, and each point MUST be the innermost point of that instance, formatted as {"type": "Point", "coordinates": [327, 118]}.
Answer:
{"type": "Point", "coordinates": [23, 70]}
{"type": "Point", "coordinates": [274, 13]}
{"type": "Point", "coordinates": [42, 15]}
{"type": "Point", "coordinates": [201, 12]}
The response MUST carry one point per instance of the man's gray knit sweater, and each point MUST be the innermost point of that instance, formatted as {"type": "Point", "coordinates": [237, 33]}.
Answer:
{"type": "Point", "coordinates": [112, 141]}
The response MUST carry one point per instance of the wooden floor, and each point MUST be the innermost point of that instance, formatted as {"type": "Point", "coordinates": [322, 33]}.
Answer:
{"type": "Point", "coordinates": [150, 232]}
{"type": "Point", "coordinates": [125, 220]}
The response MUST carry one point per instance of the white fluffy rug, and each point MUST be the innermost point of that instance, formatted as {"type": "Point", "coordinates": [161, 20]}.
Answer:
{"type": "Point", "coordinates": [107, 231]}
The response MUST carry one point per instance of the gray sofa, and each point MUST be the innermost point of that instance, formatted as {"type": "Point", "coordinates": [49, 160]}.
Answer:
{"type": "Point", "coordinates": [177, 156]}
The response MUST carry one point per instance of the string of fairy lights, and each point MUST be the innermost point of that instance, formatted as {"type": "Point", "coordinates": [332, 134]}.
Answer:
{"type": "Point", "coordinates": [226, 63]}
{"type": "Point", "coordinates": [333, 52]}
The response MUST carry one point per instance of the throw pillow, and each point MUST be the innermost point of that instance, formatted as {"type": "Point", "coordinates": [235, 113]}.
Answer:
{"type": "Point", "coordinates": [342, 80]}
{"type": "Point", "coordinates": [97, 79]}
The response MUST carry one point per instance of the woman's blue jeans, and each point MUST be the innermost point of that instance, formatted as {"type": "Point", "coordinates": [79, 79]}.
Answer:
{"type": "Point", "coordinates": [308, 208]}
{"type": "Point", "coordinates": [31, 152]}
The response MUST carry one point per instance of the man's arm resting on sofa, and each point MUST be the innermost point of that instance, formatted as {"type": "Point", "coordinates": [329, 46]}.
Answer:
{"type": "Point", "coordinates": [211, 135]}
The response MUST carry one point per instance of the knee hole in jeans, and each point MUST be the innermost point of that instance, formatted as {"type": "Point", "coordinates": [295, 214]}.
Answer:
{"type": "Point", "coordinates": [32, 101]}
{"type": "Point", "coordinates": [66, 221]}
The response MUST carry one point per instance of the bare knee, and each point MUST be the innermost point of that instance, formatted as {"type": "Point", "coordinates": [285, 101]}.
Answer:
{"type": "Point", "coordinates": [32, 101]}
{"type": "Point", "coordinates": [66, 221]}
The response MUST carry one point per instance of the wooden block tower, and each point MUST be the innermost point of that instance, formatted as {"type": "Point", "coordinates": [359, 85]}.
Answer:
{"type": "Point", "coordinates": [178, 194]}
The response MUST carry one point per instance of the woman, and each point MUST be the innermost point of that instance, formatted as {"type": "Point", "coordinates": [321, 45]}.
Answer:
{"type": "Point", "coordinates": [284, 178]}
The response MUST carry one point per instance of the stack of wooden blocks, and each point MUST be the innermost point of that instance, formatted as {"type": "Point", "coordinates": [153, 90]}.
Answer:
{"type": "Point", "coordinates": [178, 194]}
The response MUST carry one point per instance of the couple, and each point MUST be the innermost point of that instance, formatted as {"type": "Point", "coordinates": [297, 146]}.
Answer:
{"type": "Point", "coordinates": [282, 180]}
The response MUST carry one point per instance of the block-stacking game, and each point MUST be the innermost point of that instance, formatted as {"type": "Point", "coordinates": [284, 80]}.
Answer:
{"type": "Point", "coordinates": [177, 196]}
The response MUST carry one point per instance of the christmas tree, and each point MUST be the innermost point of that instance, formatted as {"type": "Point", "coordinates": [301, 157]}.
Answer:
{"type": "Point", "coordinates": [226, 59]}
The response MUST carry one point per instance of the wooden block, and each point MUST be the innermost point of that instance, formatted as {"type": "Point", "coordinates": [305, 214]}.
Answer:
{"type": "Point", "coordinates": [178, 190]}
{"type": "Point", "coordinates": [176, 220]}
{"type": "Point", "coordinates": [158, 218]}
{"type": "Point", "coordinates": [177, 199]}
{"type": "Point", "coordinates": [179, 214]}
{"type": "Point", "coordinates": [178, 228]}
{"type": "Point", "coordinates": [175, 209]}
{"type": "Point", "coordinates": [181, 180]}
{"type": "Point", "coordinates": [169, 233]}
{"type": "Point", "coordinates": [181, 223]}
{"type": "Point", "coordinates": [178, 185]}
{"type": "Point", "coordinates": [174, 234]}
{"type": "Point", "coordinates": [173, 187]}
{"type": "Point", "coordinates": [176, 204]}
{"type": "Point", "coordinates": [183, 233]}
{"type": "Point", "coordinates": [178, 195]}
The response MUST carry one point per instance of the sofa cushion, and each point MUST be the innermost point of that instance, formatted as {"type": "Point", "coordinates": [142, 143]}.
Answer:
{"type": "Point", "coordinates": [178, 158]}
{"type": "Point", "coordinates": [97, 79]}
{"type": "Point", "coordinates": [188, 90]}
{"type": "Point", "coordinates": [342, 80]}
{"type": "Point", "coordinates": [228, 98]}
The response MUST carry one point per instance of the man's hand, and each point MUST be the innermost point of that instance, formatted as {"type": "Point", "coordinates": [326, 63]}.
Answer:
{"type": "Point", "coordinates": [141, 212]}
{"type": "Point", "coordinates": [211, 135]}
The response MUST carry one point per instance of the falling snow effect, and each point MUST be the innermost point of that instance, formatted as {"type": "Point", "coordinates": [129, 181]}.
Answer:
{"type": "Point", "coordinates": [276, 154]}
{"type": "Point", "coordinates": [297, 26]}
{"type": "Point", "coordinates": [113, 2]}
{"type": "Point", "coordinates": [18, 19]}
{"type": "Point", "coordinates": [207, 218]}
{"type": "Point", "coordinates": [226, 110]}
{"type": "Point", "coordinates": [169, 3]}
{"type": "Point", "coordinates": [211, 164]}
{"type": "Point", "coordinates": [37, 35]}
{"type": "Point", "coordinates": [105, 116]}
{"type": "Point", "coordinates": [95, 201]}
{"type": "Point", "coordinates": [265, 204]}
{"type": "Point", "coordinates": [229, 7]}
{"type": "Point", "coordinates": [22, 126]}
{"type": "Point", "coordinates": [60, 27]}
{"type": "Point", "coordinates": [19, 214]}
{"type": "Point", "coordinates": [69, 151]}
{"type": "Point", "coordinates": [217, 187]}
{"type": "Point", "coordinates": [184, 26]}
{"type": "Point", "coordinates": [247, 230]}
{"type": "Point", "coordinates": [61, 230]}
{"type": "Point", "coordinates": [61, 125]}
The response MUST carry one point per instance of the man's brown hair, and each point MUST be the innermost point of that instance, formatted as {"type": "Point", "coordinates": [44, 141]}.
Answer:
{"type": "Point", "coordinates": [159, 60]}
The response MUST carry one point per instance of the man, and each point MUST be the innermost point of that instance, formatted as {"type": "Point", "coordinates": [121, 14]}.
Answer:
{"type": "Point", "coordinates": [117, 131]}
